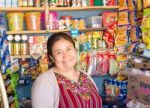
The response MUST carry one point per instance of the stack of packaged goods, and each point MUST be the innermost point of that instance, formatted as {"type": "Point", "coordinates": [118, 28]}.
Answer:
{"type": "Point", "coordinates": [21, 3]}
{"type": "Point", "coordinates": [140, 63]}
{"type": "Point", "coordinates": [137, 50]}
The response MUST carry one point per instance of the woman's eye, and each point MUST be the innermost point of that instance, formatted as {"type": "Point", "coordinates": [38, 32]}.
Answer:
{"type": "Point", "coordinates": [58, 53]}
{"type": "Point", "coordinates": [68, 49]}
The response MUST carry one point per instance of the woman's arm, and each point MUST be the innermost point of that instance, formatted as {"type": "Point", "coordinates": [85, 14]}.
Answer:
{"type": "Point", "coordinates": [43, 92]}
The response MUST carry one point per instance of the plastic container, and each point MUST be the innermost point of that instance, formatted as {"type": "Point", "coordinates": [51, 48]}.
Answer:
{"type": "Point", "coordinates": [52, 20]}
{"type": "Point", "coordinates": [15, 21]}
{"type": "Point", "coordinates": [68, 22]}
{"type": "Point", "coordinates": [33, 20]}
{"type": "Point", "coordinates": [94, 22]}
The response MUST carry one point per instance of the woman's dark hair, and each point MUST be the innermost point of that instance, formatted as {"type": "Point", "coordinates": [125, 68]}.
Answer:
{"type": "Point", "coordinates": [54, 38]}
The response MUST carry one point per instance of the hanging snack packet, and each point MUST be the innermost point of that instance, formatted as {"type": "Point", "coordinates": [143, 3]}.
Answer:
{"type": "Point", "coordinates": [139, 6]}
{"type": "Point", "coordinates": [131, 5]}
{"type": "Point", "coordinates": [134, 34]}
{"type": "Point", "coordinates": [123, 17]}
{"type": "Point", "coordinates": [132, 18]}
{"type": "Point", "coordinates": [122, 3]}
{"type": "Point", "coordinates": [146, 3]}
{"type": "Point", "coordinates": [113, 65]}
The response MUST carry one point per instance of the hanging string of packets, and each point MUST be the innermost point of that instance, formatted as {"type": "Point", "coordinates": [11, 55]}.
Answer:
{"type": "Point", "coordinates": [10, 79]}
{"type": "Point", "coordinates": [4, 53]}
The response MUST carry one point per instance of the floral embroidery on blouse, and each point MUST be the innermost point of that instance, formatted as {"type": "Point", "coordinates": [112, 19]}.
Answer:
{"type": "Point", "coordinates": [83, 87]}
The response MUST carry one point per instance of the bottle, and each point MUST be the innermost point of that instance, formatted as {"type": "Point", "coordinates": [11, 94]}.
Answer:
{"type": "Point", "coordinates": [24, 45]}
{"type": "Point", "coordinates": [37, 3]}
{"type": "Point", "coordinates": [16, 49]}
{"type": "Point", "coordinates": [10, 44]}
{"type": "Point", "coordinates": [30, 3]}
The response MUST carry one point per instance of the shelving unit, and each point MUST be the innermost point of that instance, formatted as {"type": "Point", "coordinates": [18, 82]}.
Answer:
{"type": "Point", "coordinates": [46, 9]}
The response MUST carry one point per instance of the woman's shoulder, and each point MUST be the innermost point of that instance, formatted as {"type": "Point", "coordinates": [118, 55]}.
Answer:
{"type": "Point", "coordinates": [45, 76]}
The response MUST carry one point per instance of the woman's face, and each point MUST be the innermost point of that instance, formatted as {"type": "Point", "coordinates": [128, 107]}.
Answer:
{"type": "Point", "coordinates": [64, 54]}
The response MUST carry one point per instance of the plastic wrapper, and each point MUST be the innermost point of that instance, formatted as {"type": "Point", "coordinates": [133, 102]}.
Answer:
{"type": "Point", "coordinates": [92, 63]}
{"type": "Point", "coordinates": [139, 6]}
{"type": "Point", "coordinates": [109, 18]}
{"type": "Point", "coordinates": [122, 36]}
{"type": "Point", "coordinates": [146, 3]}
{"type": "Point", "coordinates": [131, 5]}
{"type": "Point", "coordinates": [116, 88]}
{"type": "Point", "coordinates": [132, 18]}
{"type": "Point", "coordinates": [123, 18]}
{"type": "Point", "coordinates": [122, 3]}
{"type": "Point", "coordinates": [134, 34]}
{"type": "Point", "coordinates": [113, 65]}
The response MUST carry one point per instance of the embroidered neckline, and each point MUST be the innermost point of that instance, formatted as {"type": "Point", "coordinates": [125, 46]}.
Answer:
{"type": "Point", "coordinates": [82, 87]}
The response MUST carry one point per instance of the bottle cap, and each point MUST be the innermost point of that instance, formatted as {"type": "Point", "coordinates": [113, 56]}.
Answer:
{"type": "Point", "coordinates": [24, 37]}
{"type": "Point", "coordinates": [17, 37]}
{"type": "Point", "coordinates": [10, 37]}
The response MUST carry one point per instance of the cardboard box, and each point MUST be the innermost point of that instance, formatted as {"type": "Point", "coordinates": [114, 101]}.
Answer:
{"type": "Point", "coordinates": [139, 88]}
{"type": "Point", "coordinates": [143, 65]}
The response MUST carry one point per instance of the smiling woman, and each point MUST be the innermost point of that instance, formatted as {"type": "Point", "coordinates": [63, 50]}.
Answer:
{"type": "Point", "coordinates": [62, 86]}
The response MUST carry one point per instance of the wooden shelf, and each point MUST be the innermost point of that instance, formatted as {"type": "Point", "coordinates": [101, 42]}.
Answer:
{"type": "Point", "coordinates": [26, 32]}
{"type": "Point", "coordinates": [57, 8]}
{"type": "Point", "coordinates": [21, 56]}
{"type": "Point", "coordinates": [22, 9]}
{"type": "Point", "coordinates": [82, 8]}
{"type": "Point", "coordinates": [52, 31]}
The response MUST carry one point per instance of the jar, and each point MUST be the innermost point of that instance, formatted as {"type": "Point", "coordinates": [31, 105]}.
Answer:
{"type": "Point", "coordinates": [67, 21]}
{"type": "Point", "coordinates": [24, 45]}
{"type": "Point", "coordinates": [33, 20]}
{"type": "Point", "coordinates": [15, 21]}
{"type": "Point", "coordinates": [16, 47]}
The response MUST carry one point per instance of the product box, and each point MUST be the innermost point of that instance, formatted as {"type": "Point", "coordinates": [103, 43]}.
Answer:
{"type": "Point", "coordinates": [2, 3]}
{"type": "Point", "coordinates": [109, 18]}
{"type": "Point", "coordinates": [139, 88]}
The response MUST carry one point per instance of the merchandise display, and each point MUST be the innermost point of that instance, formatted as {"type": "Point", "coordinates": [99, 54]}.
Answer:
{"type": "Point", "coordinates": [111, 37]}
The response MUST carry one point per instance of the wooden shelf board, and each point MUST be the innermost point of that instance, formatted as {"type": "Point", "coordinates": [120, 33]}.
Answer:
{"type": "Point", "coordinates": [22, 9]}
{"type": "Point", "coordinates": [52, 31]}
{"type": "Point", "coordinates": [82, 8]}
{"type": "Point", "coordinates": [26, 32]}
{"type": "Point", "coordinates": [20, 56]}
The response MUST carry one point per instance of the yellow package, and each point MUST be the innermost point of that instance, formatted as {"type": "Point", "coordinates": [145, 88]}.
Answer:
{"type": "Point", "coordinates": [120, 41]}
{"type": "Point", "coordinates": [133, 35]}
{"type": "Point", "coordinates": [122, 3]}
{"type": "Point", "coordinates": [123, 17]}
{"type": "Point", "coordinates": [122, 32]}
{"type": "Point", "coordinates": [139, 5]}
{"type": "Point", "coordinates": [131, 6]}
{"type": "Point", "coordinates": [146, 3]}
